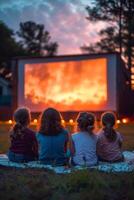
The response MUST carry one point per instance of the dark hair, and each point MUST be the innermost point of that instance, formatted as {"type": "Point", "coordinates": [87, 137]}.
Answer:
{"type": "Point", "coordinates": [50, 122]}
{"type": "Point", "coordinates": [22, 118]}
{"type": "Point", "coordinates": [86, 122]}
{"type": "Point", "coordinates": [108, 120]}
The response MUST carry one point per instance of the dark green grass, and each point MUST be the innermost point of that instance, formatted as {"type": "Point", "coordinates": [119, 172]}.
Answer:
{"type": "Point", "coordinates": [27, 184]}
{"type": "Point", "coordinates": [81, 185]}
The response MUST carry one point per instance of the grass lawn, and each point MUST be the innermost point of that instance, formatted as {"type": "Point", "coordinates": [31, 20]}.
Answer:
{"type": "Point", "coordinates": [82, 185]}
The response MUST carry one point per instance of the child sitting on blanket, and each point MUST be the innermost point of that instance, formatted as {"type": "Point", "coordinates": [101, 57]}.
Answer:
{"type": "Point", "coordinates": [109, 141]}
{"type": "Point", "coordinates": [84, 141]}
{"type": "Point", "coordinates": [52, 138]}
{"type": "Point", "coordinates": [23, 146]}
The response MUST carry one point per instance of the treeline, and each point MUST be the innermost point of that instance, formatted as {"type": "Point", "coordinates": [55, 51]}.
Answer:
{"type": "Point", "coordinates": [119, 32]}
{"type": "Point", "coordinates": [31, 39]}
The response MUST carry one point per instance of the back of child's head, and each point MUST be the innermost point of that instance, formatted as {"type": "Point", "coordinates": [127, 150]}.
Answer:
{"type": "Point", "coordinates": [22, 116]}
{"type": "Point", "coordinates": [22, 119]}
{"type": "Point", "coordinates": [50, 122]}
{"type": "Point", "coordinates": [86, 121]}
{"type": "Point", "coordinates": [108, 120]}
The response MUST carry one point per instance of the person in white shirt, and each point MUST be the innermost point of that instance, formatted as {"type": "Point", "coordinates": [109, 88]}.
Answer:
{"type": "Point", "coordinates": [84, 141]}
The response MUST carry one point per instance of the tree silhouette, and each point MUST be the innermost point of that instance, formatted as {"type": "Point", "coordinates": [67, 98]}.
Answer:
{"type": "Point", "coordinates": [119, 34]}
{"type": "Point", "coordinates": [36, 40]}
{"type": "Point", "coordinates": [8, 49]}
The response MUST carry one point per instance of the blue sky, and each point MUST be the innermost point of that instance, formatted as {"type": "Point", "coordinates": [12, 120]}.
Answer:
{"type": "Point", "coordinates": [64, 19]}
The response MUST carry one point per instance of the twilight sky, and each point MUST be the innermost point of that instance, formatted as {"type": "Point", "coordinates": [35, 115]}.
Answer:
{"type": "Point", "coordinates": [64, 19]}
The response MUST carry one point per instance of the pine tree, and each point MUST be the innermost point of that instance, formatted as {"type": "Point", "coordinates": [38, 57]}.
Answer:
{"type": "Point", "coordinates": [36, 40]}
{"type": "Point", "coordinates": [119, 35]}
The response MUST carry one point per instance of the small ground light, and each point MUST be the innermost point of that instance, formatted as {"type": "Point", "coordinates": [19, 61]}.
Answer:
{"type": "Point", "coordinates": [10, 121]}
{"type": "Point", "coordinates": [71, 121]}
{"type": "Point", "coordinates": [63, 121]}
{"type": "Point", "coordinates": [35, 121]}
{"type": "Point", "coordinates": [118, 121]}
{"type": "Point", "coordinates": [124, 120]}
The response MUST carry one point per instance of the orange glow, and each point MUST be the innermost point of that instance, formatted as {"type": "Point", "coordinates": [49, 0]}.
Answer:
{"type": "Point", "coordinates": [35, 121]}
{"type": "Point", "coordinates": [63, 121]}
{"type": "Point", "coordinates": [132, 87]}
{"type": "Point", "coordinates": [71, 85]}
{"type": "Point", "coordinates": [71, 121]}
{"type": "Point", "coordinates": [132, 81]}
{"type": "Point", "coordinates": [132, 76]}
{"type": "Point", "coordinates": [118, 121]}
{"type": "Point", "coordinates": [124, 120]}
{"type": "Point", "coordinates": [10, 121]}
{"type": "Point", "coordinates": [132, 69]}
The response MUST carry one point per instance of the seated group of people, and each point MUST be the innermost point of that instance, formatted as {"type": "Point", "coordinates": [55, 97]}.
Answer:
{"type": "Point", "coordinates": [54, 145]}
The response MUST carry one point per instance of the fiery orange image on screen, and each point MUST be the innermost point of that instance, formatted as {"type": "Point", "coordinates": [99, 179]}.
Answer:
{"type": "Point", "coordinates": [70, 85]}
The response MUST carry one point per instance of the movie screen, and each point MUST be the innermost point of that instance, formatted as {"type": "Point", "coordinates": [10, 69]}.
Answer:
{"type": "Point", "coordinates": [66, 85]}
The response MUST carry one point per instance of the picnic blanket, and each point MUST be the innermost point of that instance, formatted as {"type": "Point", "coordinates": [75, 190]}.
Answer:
{"type": "Point", "coordinates": [126, 166]}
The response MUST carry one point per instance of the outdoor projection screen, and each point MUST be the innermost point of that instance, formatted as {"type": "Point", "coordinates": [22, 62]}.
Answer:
{"type": "Point", "coordinates": [77, 85]}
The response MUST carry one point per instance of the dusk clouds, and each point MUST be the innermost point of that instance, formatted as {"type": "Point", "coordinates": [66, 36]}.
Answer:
{"type": "Point", "coordinates": [64, 19]}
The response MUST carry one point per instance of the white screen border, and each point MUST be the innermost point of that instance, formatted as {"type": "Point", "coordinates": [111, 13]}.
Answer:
{"type": "Point", "coordinates": [111, 76]}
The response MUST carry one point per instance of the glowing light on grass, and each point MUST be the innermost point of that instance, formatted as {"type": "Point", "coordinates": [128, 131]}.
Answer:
{"type": "Point", "coordinates": [124, 120]}
{"type": "Point", "coordinates": [132, 76]}
{"type": "Point", "coordinates": [71, 121]}
{"type": "Point", "coordinates": [132, 82]}
{"type": "Point", "coordinates": [10, 121]}
{"type": "Point", "coordinates": [63, 121]}
{"type": "Point", "coordinates": [132, 69]}
{"type": "Point", "coordinates": [35, 121]}
{"type": "Point", "coordinates": [118, 121]}
{"type": "Point", "coordinates": [132, 87]}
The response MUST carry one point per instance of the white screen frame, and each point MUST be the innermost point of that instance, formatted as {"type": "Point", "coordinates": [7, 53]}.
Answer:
{"type": "Point", "coordinates": [111, 75]}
